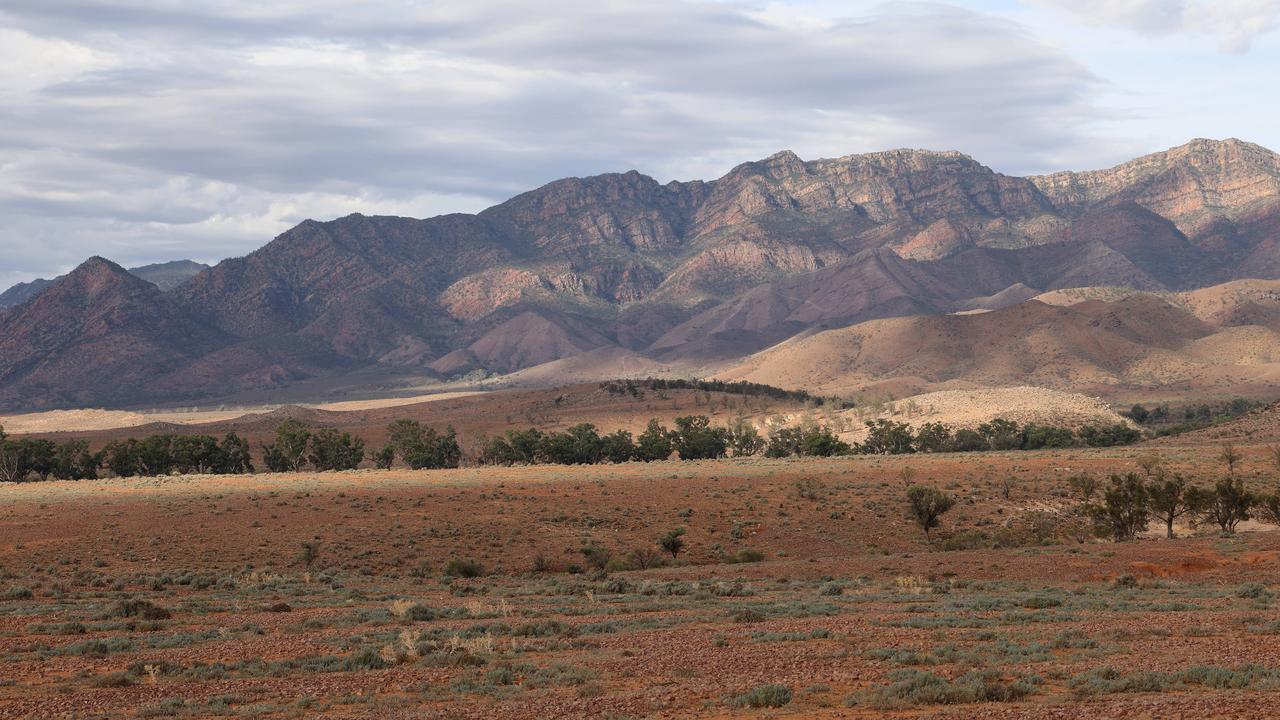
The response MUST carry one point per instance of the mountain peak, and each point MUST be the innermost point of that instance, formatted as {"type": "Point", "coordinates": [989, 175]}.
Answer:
{"type": "Point", "coordinates": [98, 277]}
{"type": "Point", "coordinates": [782, 158]}
{"type": "Point", "coordinates": [164, 275]}
{"type": "Point", "coordinates": [1227, 149]}
{"type": "Point", "coordinates": [98, 265]}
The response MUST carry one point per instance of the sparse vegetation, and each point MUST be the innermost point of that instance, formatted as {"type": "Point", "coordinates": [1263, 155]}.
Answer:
{"type": "Point", "coordinates": [433, 578]}
{"type": "Point", "coordinates": [636, 388]}
{"type": "Point", "coordinates": [910, 686]}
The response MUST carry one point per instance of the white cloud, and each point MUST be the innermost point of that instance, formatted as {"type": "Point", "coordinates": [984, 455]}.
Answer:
{"type": "Point", "coordinates": [28, 63]}
{"type": "Point", "coordinates": [1236, 24]}
{"type": "Point", "coordinates": [169, 129]}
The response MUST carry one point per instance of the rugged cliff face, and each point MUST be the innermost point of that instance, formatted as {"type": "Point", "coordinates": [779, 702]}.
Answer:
{"type": "Point", "coordinates": [1222, 195]}
{"type": "Point", "coordinates": [679, 271]}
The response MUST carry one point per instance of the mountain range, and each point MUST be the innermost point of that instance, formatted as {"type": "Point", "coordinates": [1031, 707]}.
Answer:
{"type": "Point", "coordinates": [684, 275]}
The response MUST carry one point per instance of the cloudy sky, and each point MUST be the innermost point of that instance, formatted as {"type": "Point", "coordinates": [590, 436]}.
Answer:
{"type": "Point", "coordinates": [147, 130]}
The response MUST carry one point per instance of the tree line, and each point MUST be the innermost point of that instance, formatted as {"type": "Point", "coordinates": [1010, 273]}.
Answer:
{"type": "Point", "coordinates": [297, 447]}
{"type": "Point", "coordinates": [637, 388]}
{"type": "Point", "coordinates": [1162, 420]}
{"type": "Point", "coordinates": [695, 438]}
{"type": "Point", "coordinates": [1129, 502]}
{"type": "Point", "coordinates": [160, 454]}
{"type": "Point", "coordinates": [886, 437]}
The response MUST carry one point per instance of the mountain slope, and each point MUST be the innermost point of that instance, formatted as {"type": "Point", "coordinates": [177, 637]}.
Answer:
{"type": "Point", "coordinates": [681, 273]}
{"type": "Point", "coordinates": [98, 334]}
{"type": "Point", "coordinates": [1134, 341]}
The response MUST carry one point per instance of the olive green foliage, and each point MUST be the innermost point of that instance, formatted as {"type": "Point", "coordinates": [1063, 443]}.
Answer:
{"type": "Point", "coordinates": [910, 686]}
{"type": "Point", "coordinates": [1125, 507]}
{"type": "Point", "coordinates": [165, 454]}
{"type": "Point", "coordinates": [696, 439]}
{"type": "Point", "coordinates": [1170, 498]}
{"type": "Point", "coordinates": [332, 450]}
{"type": "Point", "coordinates": [672, 542]}
{"type": "Point", "coordinates": [806, 441]}
{"type": "Point", "coordinates": [654, 443]}
{"type": "Point", "coordinates": [289, 452]}
{"type": "Point", "coordinates": [1226, 505]}
{"type": "Point", "coordinates": [385, 458]}
{"type": "Point", "coordinates": [618, 447]}
{"type": "Point", "coordinates": [934, 437]}
{"type": "Point", "coordinates": [885, 437]}
{"type": "Point", "coordinates": [764, 696]}
{"type": "Point", "coordinates": [1267, 507]}
{"type": "Point", "coordinates": [22, 459]}
{"type": "Point", "coordinates": [422, 447]}
{"type": "Point", "coordinates": [927, 505]}
{"type": "Point", "coordinates": [744, 439]}
{"type": "Point", "coordinates": [1001, 434]}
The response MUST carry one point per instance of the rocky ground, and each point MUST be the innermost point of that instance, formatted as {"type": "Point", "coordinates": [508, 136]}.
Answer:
{"type": "Point", "coordinates": [342, 595]}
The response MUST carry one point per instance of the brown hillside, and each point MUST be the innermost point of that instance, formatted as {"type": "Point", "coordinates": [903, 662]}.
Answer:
{"type": "Point", "coordinates": [1087, 346]}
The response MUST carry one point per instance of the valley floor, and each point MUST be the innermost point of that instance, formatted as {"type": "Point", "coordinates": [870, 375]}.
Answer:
{"type": "Point", "coordinates": [301, 595]}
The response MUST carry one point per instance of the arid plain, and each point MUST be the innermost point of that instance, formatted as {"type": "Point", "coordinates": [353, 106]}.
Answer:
{"type": "Point", "coordinates": [284, 595]}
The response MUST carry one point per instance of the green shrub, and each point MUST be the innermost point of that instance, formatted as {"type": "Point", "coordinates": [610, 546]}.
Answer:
{"type": "Point", "coordinates": [1124, 582]}
{"type": "Point", "coordinates": [167, 707]}
{"type": "Point", "coordinates": [926, 505]}
{"type": "Point", "coordinates": [831, 589]}
{"type": "Point", "coordinates": [1253, 591]}
{"type": "Point", "coordinates": [917, 687]}
{"type": "Point", "coordinates": [367, 659]}
{"type": "Point", "coordinates": [745, 556]}
{"type": "Point", "coordinates": [143, 609]}
{"type": "Point", "coordinates": [765, 696]}
{"type": "Point", "coordinates": [1107, 680]}
{"type": "Point", "coordinates": [464, 568]}
{"type": "Point", "coordinates": [419, 613]}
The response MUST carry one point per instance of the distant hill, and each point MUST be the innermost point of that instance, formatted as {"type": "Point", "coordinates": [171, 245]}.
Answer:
{"type": "Point", "coordinates": [165, 276]}
{"type": "Point", "coordinates": [685, 275]}
{"type": "Point", "coordinates": [1127, 341]}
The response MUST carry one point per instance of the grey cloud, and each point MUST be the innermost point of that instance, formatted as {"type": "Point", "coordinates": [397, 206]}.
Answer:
{"type": "Point", "coordinates": [216, 117]}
